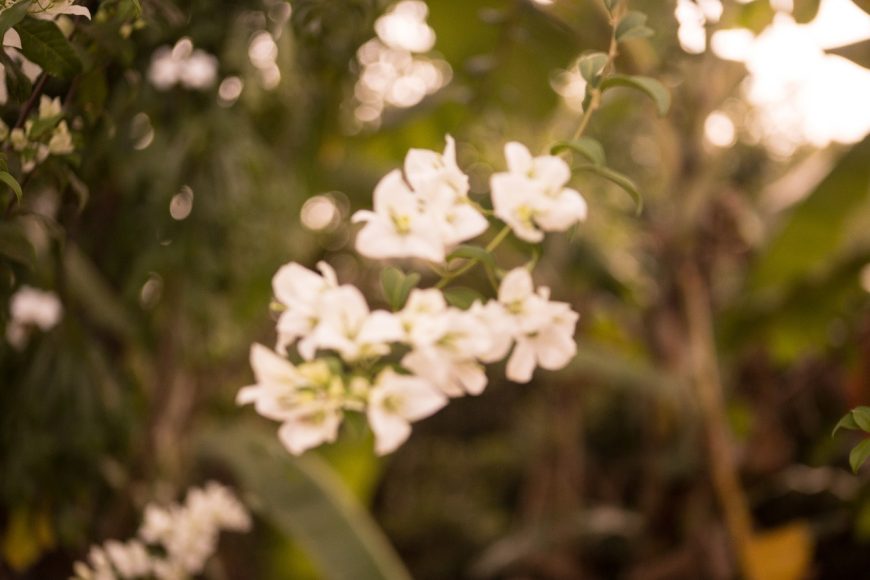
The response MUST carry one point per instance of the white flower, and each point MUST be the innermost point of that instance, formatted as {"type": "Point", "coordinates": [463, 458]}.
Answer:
{"type": "Point", "coordinates": [30, 307]}
{"type": "Point", "coordinates": [61, 141]}
{"type": "Point", "coordinates": [544, 330]}
{"type": "Point", "coordinates": [398, 227]}
{"type": "Point", "coordinates": [303, 399]}
{"type": "Point", "coordinates": [450, 362]}
{"type": "Point", "coordinates": [347, 327]}
{"type": "Point", "coordinates": [131, 559]}
{"type": "Point", "coordinates": [422, 318]}
{"type": "Point", "coordinates": [394, 402]}
{"type": "Point", "coordinates": [500, 326]}
{"type": "Point", "coordinates": [437, 179]}
{"type": "Point", "coordinates": [301, 291]}
{"type": "Point", "coordinates": [217, 503]}
{"type": "Point", "coordinates": [531, 196]}
{"type": "Point", "coordinates": [51, 9]}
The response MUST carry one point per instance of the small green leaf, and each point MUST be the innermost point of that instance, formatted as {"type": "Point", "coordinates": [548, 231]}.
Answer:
{"type": "Point", "coordinates": [396, 286]}
{"type": "Point", "coordinates": [859, 455]}
{"type": "Point", "coordinates": [469, 252]}
{"type": "Point", "coordinates": [13, 184]}
{"type": "Point", "coordinates": [637, 32]}
{"type": "Point", "coordinates": [11, 16]}
{"type": "Point", "coordinates": [14, 244]}
{"type": "Point", "coordinates": [619, 179]}
{"type": "Point", "coordinates": [591, 65]}
{"type": "Point", "coordinates": [461, 297]}
{"type": "Point", "coordinates": [44, 43]}
{"type": "Point", "coordinates": [43, 125]}
{"type": "Point", "coordinates": [585, 146]}
{"type": "Point", "coordinates": [610, 4]}
{"type": "Point", "coordinates": [650, 86]}
{"type": "Point", "coordinates": [862, 418]}
{"type": "Point", "coordinates": [847, 422]}
{"type": "Point", "coordinates": [628, 23]}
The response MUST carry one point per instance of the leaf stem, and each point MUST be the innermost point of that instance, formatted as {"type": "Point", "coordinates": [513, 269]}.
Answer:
{"type": "Point", "coordinates": [595, 92]}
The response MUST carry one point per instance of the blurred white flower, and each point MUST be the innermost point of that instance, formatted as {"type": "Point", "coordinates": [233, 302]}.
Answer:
{"type": "Point", "coordinates": [192, 69]}
{"type": "Point", "coordinates": [29, 308]}
{"type": "Point", "coordinates": [347, 327]}
{"type": "Point", "coordinates": [51, 9]}
{"type": "Point", "coordinates": [300, 291]}
{"type": "Point", "coordinates": [531, 196]}
{"type": "Point", "coordinates": [186, 534]}
{"type": "Point", "coordinates": [404, 27]}
{"type": "Point", "coordinates": [543, 330]}
{"type": "Point", "coordinates": [398, 227]}
{"type": "Point", "coordinates": [298, 397]}
{"type": "Point", "coordinates": [395, 401]}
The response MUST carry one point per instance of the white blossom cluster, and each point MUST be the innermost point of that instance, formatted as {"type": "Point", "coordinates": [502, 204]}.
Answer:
{"type": "Point", "coordinates": [184, 65]}
{"type": "Point", "coordinates": [31, 308]}
{"type": "Point", "coordinates": [173, 543]}
{"type": "Point", "coordinates": [394, 71]}
{"type": "Point", "coordinates": [400, 367]}
{"type": "Point", "coordinates": [46, 134]}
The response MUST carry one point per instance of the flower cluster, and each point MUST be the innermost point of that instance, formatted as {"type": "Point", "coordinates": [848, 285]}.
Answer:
{"type": "Point", "coordinates": [183, 65]}
{"type": "Point", "coordinates": [173, 542]}
{"type": "Point", "coordinates": [402, 366]}
{"type": "Point", "coordinates": [31, 308]}
{"type": "Point", "coordinates": [394, 71]}
{"type": "Point", "coordinates": [47, 134]}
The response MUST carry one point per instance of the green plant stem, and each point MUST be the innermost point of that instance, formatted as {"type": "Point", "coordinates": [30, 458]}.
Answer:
{"type": "Point", "coordinates": [492, 245]}
{"type": "Point", "coordinates": [595, 92]}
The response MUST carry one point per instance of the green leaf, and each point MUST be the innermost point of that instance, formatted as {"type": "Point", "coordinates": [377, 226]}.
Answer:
{"type": "Point", "coordinates": [814, 236]}
{"type": "Point", "coordinates": [396, 286]}
{"type": "Point", "coordinates": [461, 297]}
{"type": "Point", "coordinates": [637, 32]}
{"type": "Point", "coordinates": [629, 23]}
{"type": "Point", "coordinates": [847, 422]}
{"type": "Point", "coordinates": [44, 125]}
{"type": "Point", "coordinates": [14, 244]}
{"type": "Point", "coordinates": [650, 86]}
{"type": "Point", "coordinates": [862, 418]}
{"type": "Point", "coordinates": [610, 4]}
{"type": "Point", "coordinates": [588, 147]}
{"type": "Point", "coordinates": [13, 15]}
{"type": "Point", "coordinates": [859, 455]}
{"type": "Point", "coordinates": [7, 178]}
{"type": "Point", "coordinates": [619, 179]}
{"type": "Point", "coordinates": [302, 497]}
{"type": "Point", "coordinates": [44, 43]}
{"type": "Point", "coordinates": [859, 52]}
{"type": "Point", "coordinates": [469, 252]}
{"type": "Point", "coordinates": [591, 65]}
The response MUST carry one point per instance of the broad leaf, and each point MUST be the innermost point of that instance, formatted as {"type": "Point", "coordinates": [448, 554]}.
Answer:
{"type": "Point", "coordinates": [13, 15]}
{"type": "Point", "coordinates": [461, 297]}
{"type": "Point", "coordinates": [805, 10]}
{"type": "Point", "coordinates": [585, 146]}
{"type": "Point", "coordinates": [649, 86]}
{"type": "Point", "coordinates": [13, 184]}
{"type": "Point", "coordinates": [476, 253]}
{"type": "Point", "coordinates": [847, 422]}
{"type": "Point", "coordinates": [396, 286]}
{"type": "Point", "coordinates": [44, 43]}
{"type": "Point", "coordinates": [619, 179]}
{"type": "Point", "coordinates": [629, 24]}
{"type": "Point", "coordinates": [303, 498]}
{"type": "Point", "coordinates": [859, 455]}
{"type": "Point", "coordinates": [591, 65]}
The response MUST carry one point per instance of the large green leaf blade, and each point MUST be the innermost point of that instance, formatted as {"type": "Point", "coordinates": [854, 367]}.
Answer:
{"type": "Point", "coordinates": [303, 497]}
{"type": "Point", "coordinates": [859, 455]}
{"type": "Point", "coordinates": [13, 15]}
{"type": "Point", "coordinates": [647, 85]}
{"type": "Point", "coordinates": [44, 43]}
